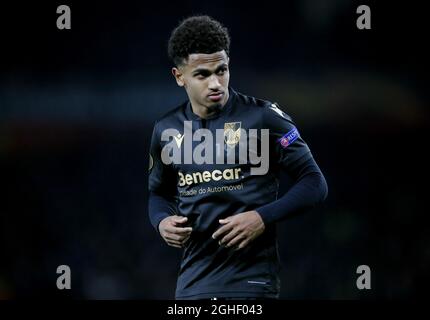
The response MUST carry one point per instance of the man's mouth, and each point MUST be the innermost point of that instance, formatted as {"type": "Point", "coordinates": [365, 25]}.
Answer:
{"type": "Point", "coordinates": [216, 96]}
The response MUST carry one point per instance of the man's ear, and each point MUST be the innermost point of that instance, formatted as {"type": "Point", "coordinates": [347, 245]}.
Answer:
{"type": "Point", "coordinates": [178, 76]}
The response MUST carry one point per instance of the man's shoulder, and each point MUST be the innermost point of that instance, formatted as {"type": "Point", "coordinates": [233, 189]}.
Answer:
{"type": "Point", "coordinates": [266, 107]}
{"type": "Point", "coordinates": [251, 101]}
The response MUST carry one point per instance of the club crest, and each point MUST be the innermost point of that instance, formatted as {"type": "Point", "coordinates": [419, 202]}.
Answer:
{"type": "Point", "coordinates": [232, 133]}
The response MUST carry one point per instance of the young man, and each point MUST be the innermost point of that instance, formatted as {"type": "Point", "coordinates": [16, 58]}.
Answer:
{"type": "Point", "coordinates": [214, 167]}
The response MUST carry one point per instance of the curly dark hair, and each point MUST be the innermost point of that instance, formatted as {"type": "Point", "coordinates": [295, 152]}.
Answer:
{"type": "Point", "coordinates": [197, 34]}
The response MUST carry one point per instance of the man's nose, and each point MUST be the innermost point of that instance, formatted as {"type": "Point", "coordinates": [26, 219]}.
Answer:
{"type": "Point", "coordinates": [214, 83]}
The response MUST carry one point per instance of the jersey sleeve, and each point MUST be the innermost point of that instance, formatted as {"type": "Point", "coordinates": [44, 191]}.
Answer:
{"type": "Point", "coordinates": [292, 154]}
{"type": "Point", "coordinates": [287, 148]}
{"type": "Point", "coordinates": [161, 176]}
{"type": "Point", "coordinates": [161, 184]}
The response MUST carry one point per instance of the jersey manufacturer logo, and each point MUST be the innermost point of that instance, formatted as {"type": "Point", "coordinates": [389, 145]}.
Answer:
{"type": "Point", "coordinates": [275, 108]}
{"type": "Point", "coordinates": [178, 139]}
{"type": "Point", "coordinates": [289, 137]}
{"type": "Point", "coordinates": [232, 133]}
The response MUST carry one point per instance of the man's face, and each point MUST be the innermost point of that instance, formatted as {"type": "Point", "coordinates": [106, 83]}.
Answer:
{"type": "Point", "coordinates": [205, 77]}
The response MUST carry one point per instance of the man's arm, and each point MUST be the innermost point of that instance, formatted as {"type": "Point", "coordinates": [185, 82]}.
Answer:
{"type": "Point", "coordinates": [310, 188]}
{"type": "Point", "coordinates": [162, 208]}
{"type": "Point", "coordinates": [291, 154]}
{"type": "Point", "coordinates": [159, 208]}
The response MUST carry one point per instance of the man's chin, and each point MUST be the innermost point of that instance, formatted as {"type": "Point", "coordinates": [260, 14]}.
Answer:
{"type": "Point", "coordinates": [217, 106]}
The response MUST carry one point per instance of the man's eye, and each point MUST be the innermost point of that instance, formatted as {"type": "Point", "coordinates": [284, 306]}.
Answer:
{"type": "Point", "coordinates": [221, 71]}
{"type": "Point", "coordinates": [201, 75]}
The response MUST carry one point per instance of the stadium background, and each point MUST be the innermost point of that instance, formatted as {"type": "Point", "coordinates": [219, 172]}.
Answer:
{"type": "Point", "coordinates": [76, 114]}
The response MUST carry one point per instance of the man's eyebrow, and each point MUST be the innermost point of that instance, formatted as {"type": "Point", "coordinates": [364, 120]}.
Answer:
{"type": "Point", "coordinates": [222, 65]}
{"type": "Point", "coordinates": [205, 70]}
{"type": "Point", "coordinates": [201, 70]}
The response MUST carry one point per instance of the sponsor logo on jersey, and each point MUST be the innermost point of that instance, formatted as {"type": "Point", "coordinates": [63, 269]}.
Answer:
{"type": "Point", "coordinates": [207, 176]}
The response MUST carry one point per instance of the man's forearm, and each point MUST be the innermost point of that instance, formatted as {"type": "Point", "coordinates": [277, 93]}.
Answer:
{"type": "Point", "coordinates": [309, 189]}
{"type": "Point", "coordinates": [160, 207]}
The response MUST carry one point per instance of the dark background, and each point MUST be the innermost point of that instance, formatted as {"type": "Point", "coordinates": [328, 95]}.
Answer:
{"type": "Point", "coordinates": [76, 113]}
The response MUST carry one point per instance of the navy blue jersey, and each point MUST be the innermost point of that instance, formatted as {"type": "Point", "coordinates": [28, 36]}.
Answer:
{"type": "Point", "coordinates": [207, 192]}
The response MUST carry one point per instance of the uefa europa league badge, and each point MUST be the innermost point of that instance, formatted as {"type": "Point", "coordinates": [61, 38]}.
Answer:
{"type": "Point", "coordinates": [151, 162]}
